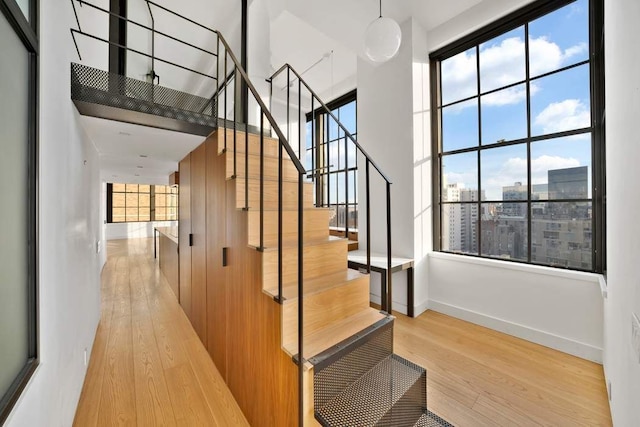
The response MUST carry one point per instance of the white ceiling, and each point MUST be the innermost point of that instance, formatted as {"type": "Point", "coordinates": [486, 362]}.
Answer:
{"type": "Point", "coordinates": [302, 33]}
{"type": "Point", "coordinates": [121, 145]}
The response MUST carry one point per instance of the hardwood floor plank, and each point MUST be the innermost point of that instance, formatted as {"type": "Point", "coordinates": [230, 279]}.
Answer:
{"type": "Point", "coordinates": [153, 405]}
{"type": "Point", "coordinates": [148, 367]}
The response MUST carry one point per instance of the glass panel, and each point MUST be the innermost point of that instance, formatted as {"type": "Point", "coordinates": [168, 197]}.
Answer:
{"type": "Point", "coordinates": [145, 214]}
{"type": "Point", "coordinates": [118, 200]}
{"type": "Point", "coordinates": [333, 128]}
{"type": "Point", "coordinates": [353, 217]}
{"type": "Point", "coordinates": [132, 214]}
{"type": "Point", "coordinates": [332, 182]}
{"type": "Point", "coordinates": [504, 115]}
{"type": "Point", "coordinates": [307, 161]}
{"type": "Point", "coordinates": [119, 188]}
{"type": "Point", "coordinates": [504, 230]}
{"type": "Point", "coordinates": [308, 139]}
{"type": "Point", "coordinates": [14, 214]}
{"type": "Point", "coordinates": [561, 168]}
{"type": "Point", "coordinates": [333, 216]}
{"type": "Point", "coordinates": [132, 188]}
{"type": "Point", "coordinates": [341, 187]}
{"type": "Point", "coordinates": [559, 39]}
{"type": "Point", "coordinates": [460, 177]}
{"type": "Point", "coordinates": [561, 101]}
{"type": "Point", "coordinates": [348, 117]}
{"type": "Point", "coordinates": [353, 185]}
{"type": "Point", "coordinates": [502, 60]}
{"type": "Point", "coordinates": [459, 77]}
{"type": "Point", "coordinates": [561, 234]}
{"type": "Point", "coordinates": [334, 157]}
{"type": "Point", "coordinates": [119, 215]}
{"type": "Point", "coordinates": [460, 126]}
{"type": "Point", "coordinates": [145, 200]}
{"type": "Point", "coordinates": [161, 200]}
{"type": "Point", "coordinates": [132, 199]}
{"type": "Point", "coordinates": [459, 227]}
{"type": "Point", "coordinates": [147, 188]}
{"type": "Point", "coordinates": [351, 155]}
{"type": "Point", "coordinates": [503, 173]}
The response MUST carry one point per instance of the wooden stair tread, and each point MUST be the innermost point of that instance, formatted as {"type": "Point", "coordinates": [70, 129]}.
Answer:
{"type": "Point", "coordinates": [334, 333]}
{"type": "Point", "coordinates": [306, 243]}
{"type": "Point", "coordinates": [314, 286]}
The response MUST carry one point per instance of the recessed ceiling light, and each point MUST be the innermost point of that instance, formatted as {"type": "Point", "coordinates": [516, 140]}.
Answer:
{"type": "Point", "coordinates": [139, 167]}
{"type": "Point", "coordinates": [124, 133]}
{"type": "Point", "coordinates": [144, 156]}
{"type": "Point", "coordinates": [137, 174]}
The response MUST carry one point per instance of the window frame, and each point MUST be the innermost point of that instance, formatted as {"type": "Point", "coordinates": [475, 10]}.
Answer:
{"type": "Point", "coordinates": [27, 31]}
{"type": "Point", "coordinates": [320, 138]}
{"type": "Point", "coordinates": [512, 21]}
{"type": "Point", "coordinates": [152, 204]}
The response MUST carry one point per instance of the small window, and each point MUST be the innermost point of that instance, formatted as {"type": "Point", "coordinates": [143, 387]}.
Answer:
{"type": "Point", "coordinates": [141, 203]}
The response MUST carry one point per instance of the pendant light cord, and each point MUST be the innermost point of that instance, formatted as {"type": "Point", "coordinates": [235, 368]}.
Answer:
{"type": "Point", "coordinates": [380, 8]}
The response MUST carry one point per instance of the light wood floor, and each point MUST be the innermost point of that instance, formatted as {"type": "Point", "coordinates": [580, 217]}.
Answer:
{"type": "Point", "coordinates": [480, 377]}
{"type": "Point", "coordinates": [149, 368]}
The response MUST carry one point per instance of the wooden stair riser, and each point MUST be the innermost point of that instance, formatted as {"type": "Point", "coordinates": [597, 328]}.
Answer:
{"type": "Point", "coordinates": [270, 144]}
{"type": "Point", "coordinates": [289, 195]}
{"type": "Point", "coordinates": [323, 308]}
{"type": "Point", "coordinates": [289, 171]}
{"type": "Point", "coordinates": [318, 260]}
{"type": "Point", "coordinates": [315, 226]}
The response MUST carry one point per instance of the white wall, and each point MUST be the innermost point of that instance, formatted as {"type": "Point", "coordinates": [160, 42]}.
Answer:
{"type": "Point", "coordinates": [69, 283]}
{"type": "Point", "coordinates": [556, 308]}
{"type": "Point", "coordinates": [133, 230]}
{"type": "Point", "coordinates": [623, 203]}
{"type": "Point", "coordinates": [385, 131]}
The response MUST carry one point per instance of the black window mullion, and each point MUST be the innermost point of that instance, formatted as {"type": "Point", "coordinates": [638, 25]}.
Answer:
{"type": "Point", "coordinates": [478, 148]}
{"type": "Point", "coordinates": [528, 101]}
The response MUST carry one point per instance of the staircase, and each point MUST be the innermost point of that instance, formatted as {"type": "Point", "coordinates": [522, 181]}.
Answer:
{"type": "Point", "coordinates": [310, 317]}
{"type": "Point", "coordinates": [352, 376]}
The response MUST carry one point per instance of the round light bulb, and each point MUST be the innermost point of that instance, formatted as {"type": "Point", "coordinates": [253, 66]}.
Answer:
{"type": "Point", "coordinates": [382, 39]}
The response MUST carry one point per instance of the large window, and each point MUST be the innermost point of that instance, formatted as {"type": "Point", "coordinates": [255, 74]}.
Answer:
{"type": "Point", "coordinates": [331, 156]}
{"type": "Point", "coordinates": [139, 202]}
{"type": "Point", "coordinates": [18, 197]}
{"type": "Point", "coordinates": [516, 139]}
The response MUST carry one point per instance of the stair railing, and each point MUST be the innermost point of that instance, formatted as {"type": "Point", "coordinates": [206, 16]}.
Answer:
{"type": "Point", "coordinates": [291, 76]}
{"type": "Point", "coordinates": [229, 66]}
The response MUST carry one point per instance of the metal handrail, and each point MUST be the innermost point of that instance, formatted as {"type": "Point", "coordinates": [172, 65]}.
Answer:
{"type": "Point", "coordinates": [369, 161]}
{"type": "Point", "coordinates": [324, 107]}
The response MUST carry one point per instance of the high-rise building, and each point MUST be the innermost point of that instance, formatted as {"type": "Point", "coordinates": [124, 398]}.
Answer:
{"type": "Point", "coordinates": [568, 183]}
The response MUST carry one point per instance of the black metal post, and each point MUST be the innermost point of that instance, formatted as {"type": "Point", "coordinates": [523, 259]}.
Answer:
{"type": "Point", "coordinates": [246, 166]}
{"type": "Point", "coordinates": [368, 208]}
{"type": "Point", "coordinates": [301, 359]}
{"type": "Point", "coordinates": [346, 189]}
{"type": "Point", "coordinates": [389, 274]}
{"type": "Point", "coordinates": [244, 90]}
{"type": "Point", "coordinates": [280, 298]}
{"type": "Point", "coordinates": [261, 179]}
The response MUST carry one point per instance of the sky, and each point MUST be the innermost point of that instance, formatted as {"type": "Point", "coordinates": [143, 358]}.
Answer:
{"type": "Point", "coordinates": [558, 102]}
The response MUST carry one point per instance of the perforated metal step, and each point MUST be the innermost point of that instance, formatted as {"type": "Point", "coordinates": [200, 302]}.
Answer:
{"type": "Point", "coordinates": [429, 419]}
{"type": "Point", "coordinates": [392, 393]}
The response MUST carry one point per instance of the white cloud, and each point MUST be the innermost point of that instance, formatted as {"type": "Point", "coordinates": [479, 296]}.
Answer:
{"type": "Point", "coordinates": [565, 115]}
{"type": "Point", "coordinates": [502, 64]}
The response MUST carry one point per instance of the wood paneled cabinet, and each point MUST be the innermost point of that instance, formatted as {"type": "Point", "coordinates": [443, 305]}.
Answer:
{"type": "Point", "coordinates": [202, 238]}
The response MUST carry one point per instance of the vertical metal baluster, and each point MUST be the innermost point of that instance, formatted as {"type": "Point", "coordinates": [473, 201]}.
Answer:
{"type": "Point", "coordinates": [235, 121]}
{"type": "Point", "coordinates": [288, 94]}
{"type": "Point", "coordinates": [389, 301]}
{"type": "Point", "coordinates": [226, 88]}
{"type": "Point", "coordinates": [368, 208]}
{"type": "Point", "coordinates": [261, 180]}
{"type": "Point", "coordinates": [300, 119]}
{"type": "Point", "coordinates": [346, 189]}
{"type": "Point", "coordinates": [300, 301]}
{"type": "Point", "coordinates": [280, 296]}
{"type": "Point", "coordinates": [214, 111]}
{"type": "Point", "coordinates": [327, 163]}
{"type": "Point", "coordinates": [246, 166]}
{"type": "Point", "coordinates": [313, 142]}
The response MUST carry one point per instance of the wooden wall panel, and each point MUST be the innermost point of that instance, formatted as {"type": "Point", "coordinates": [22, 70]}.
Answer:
{"type": "Point", "coordinates": [184, 228]}
{"type": "Point", "coordinates": [262, 378]}
{"type": "Point", "coordinates": [216, 239]}
{"type": "Point", "coordinates": [168, 260]}
{"type": "Point", "coordinates": [199, 248]}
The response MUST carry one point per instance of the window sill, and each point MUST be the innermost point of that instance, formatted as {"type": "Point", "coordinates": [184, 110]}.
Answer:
{"type": "Point", "coordinates": [527, 268]}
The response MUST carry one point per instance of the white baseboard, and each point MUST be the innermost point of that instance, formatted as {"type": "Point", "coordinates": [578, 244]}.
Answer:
{"type": "Point", "coordinates": [566, 345]}
{"type": "Point", "coordinates": [401, 307]}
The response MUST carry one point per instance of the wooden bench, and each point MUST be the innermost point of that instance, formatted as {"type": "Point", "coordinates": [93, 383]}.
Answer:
{"type": "Point", "coordinates": [358, 261]}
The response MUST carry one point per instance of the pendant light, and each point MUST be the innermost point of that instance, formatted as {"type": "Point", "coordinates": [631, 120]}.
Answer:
{"type": "Point", "coordinates": [382, 39]}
